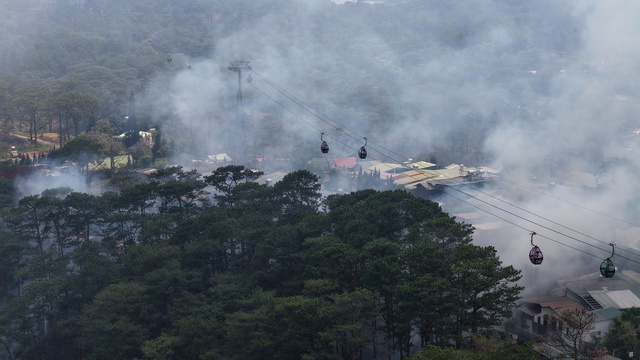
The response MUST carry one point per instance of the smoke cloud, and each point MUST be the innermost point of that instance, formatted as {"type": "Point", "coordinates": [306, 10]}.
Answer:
{"type": "Point", "coordinates": [543, 93]}
{"type": "Point", "coordinates": [541, 90]}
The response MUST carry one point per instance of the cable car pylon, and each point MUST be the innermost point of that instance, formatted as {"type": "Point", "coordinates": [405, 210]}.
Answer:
{"type": "Point", "coordinates": [239, 66]}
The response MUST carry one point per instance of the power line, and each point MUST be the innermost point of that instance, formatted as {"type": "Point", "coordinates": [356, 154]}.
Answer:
{"type": "Point", "coordinates": [315, 127]}
{"type": "Point", "coordinates": [543, 218]}
{"type": "Point", "coordinates": [284, 107]}
{"type": "Point", "coordinates": [521, 227]}
{"type": "Point", "coordinates": [545, 237]}
{"type": "Point", "coordinates": [572, 203]}
{"type": "Point", "coordinates": [325, 118]}
{"type": "Point", "coordinates": [344, 129]}
{"type": "Point", "coordinates": [298, 116]}
{"type": "Point", "coordinates": [544, 227]}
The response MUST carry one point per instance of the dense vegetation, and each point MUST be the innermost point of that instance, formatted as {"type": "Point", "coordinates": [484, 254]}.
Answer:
{"type": "Point", "coordinates": [65, 65]}
{"type": "Point", "coordinates": [624, 333]}
{"type": "Point", "coordinates": [162, 270]}
{"type": "Point", "coordinates": [158, 269]}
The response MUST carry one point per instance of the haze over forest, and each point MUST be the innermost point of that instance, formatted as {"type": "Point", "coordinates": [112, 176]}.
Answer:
{"type": "Point", "coordinates": [537, 89]}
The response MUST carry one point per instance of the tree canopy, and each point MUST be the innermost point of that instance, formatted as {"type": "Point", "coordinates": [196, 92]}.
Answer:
{"type": "Point", "coordinates": [109, 60]}
{"type": "Point", "coordinates": [157, 271]}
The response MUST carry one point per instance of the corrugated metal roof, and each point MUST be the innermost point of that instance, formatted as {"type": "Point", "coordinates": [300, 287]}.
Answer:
{"type": "Point", "coordinates": [422, 165]}
{"type": "Point", "coordinates": [608, 313]}
{"type": "Point", "coordinates": [411, 176]}
{"type": "Point", "coordinates": [603, 299]}
{"type": "Point", "coordinates": [554, 302]}
{"type": "Point", "coordinates": [620, 299]}
{"type": "Point", "coordinates": [409, 173]}
{"type": "Point", "coordinates": [388, 167]}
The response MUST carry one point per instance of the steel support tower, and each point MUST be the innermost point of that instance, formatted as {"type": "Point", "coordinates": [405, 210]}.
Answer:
{"type": "Point", "coordinates": [239, 66]}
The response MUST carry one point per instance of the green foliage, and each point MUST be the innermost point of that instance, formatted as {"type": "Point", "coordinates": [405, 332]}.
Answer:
{"type": "Point", "coordinates": [504, 351]}
{"type": "Point", "coordinates": [624, 333]}
{"type": "Point", "coordinates": [116, 323]}
{"type": "Point", "coordinates": [225, 179]}
{"type": "Point", "coordinates": [159, 272]}
{"type": "Point", "coordinates": [298, 190]}
{"type": "Point", "coordinates": [81, 150]}
{"type": "Point", "coordinates": [7, 193]}
{"type": "Point", "coordinates": [131, 137]}
{"type": "Point", "coordinates": [567, 330]}
{"type": "Point", "coordinates": [117, 53]}
{"type": "Point", "coordinates": [120, 161]}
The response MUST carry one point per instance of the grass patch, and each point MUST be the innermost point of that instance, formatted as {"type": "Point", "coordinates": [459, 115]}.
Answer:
{"type": "Point", "coordinates": [119, 161]}
{"type": "Point", "coordinates": [50, 137]}
{"type": "Point", "coordinates": [22, 145]}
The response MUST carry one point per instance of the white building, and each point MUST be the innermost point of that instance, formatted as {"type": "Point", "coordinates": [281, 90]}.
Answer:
{"type": "Point", "coordinates": [605, 297]}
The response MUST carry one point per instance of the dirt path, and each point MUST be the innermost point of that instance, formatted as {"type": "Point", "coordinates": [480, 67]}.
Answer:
{"type": "Point", "coordinates": [42, 142]}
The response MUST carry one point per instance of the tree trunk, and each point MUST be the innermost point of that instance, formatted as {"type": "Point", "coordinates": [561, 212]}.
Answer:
{"type": "Point", "coordinates": [35, 127]}
{"type": "Point", "coordinates": [112, 158]}
{"type": "Point", "coordinates": [66, 122]}
{"type": "Point", "coordinates": [30, 125]}
{"type": "Point", "coordinates": [76, 126]}
{"type": "Point", "coordinates": [60, 135]}
{"type": "Point", "coordinates": [6, 346]}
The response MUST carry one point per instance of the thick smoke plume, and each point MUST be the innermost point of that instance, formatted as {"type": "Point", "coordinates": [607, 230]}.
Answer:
{"type": "Point", "coordinates": [540, 90]}
{"type": "Point", "coordinates": [539, 107]}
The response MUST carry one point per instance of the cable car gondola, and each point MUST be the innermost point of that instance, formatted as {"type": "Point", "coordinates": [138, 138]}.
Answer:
{"type": "Point", "coordinates": [324, 147]}
{"type": "Point", "coordinates": [535, 255]}
{"type": "Point", "coordinates": [362, 153]}
{"type": "Point", "coordinates": [607, 268]}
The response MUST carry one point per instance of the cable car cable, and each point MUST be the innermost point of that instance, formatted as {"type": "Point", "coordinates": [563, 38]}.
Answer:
{"type": "Point", "coordinates": [308, 108]}
{"type": "Point", "coordinates": [299, 117]}
{"type": "Point", "coordinates": [284, 107]}
{"type": "Point", "coordinates": [523, 228]}
{"type": "Point", "coordinates": [571, 203]}
{"type": "Point", "coordinates": [305, 121]}
{"type": "Point", "coordinates": [545, 227]}
{"type": "Point", "coordinates": [342, 129]}
{"type": "Point", "coordinates": [546, 219]}
{"type": "Point", "coordinates": [609, 268]}
{"type": "Point", "coordinates": [323, 117]}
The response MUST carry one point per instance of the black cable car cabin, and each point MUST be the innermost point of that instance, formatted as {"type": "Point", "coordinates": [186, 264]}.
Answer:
{"type": "Point", "coordinates": [362, 153]}
{"type": "Point", "coordinates": [324, 147]}
{"type": "Point", "coordinates": [607, 268]}
{"type": "Point", "coordinates": [535, 255]}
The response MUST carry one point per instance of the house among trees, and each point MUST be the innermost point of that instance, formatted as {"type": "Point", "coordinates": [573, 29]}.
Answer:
{"type": "Point", "coordinates": [345, 162]}
{"type": "Point", "coordinates": [595, 300]}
